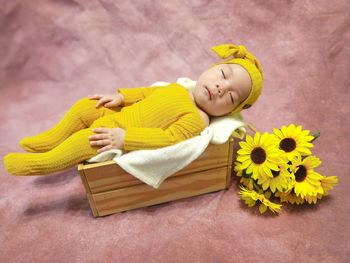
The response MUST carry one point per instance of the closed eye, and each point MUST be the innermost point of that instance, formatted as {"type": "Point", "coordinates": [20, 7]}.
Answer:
{"type": "Point", "coordinates": [231, 98]}
{"type": "Point", "coordinates": [223, 74]}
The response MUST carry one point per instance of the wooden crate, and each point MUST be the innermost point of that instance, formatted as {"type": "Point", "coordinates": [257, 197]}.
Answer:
{"type": "Point", "coordinates": [110, 189]}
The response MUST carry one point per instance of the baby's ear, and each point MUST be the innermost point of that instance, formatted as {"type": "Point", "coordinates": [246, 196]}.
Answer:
{"type": "Point", "coordinates": [247, 106]}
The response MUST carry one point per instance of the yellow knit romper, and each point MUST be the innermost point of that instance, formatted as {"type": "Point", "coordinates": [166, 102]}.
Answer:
{"type": "Point", "coordinates": [153, 117]}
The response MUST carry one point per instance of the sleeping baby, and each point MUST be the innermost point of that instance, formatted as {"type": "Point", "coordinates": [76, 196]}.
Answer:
{"type": "Point", "coordinates": [143, 117]}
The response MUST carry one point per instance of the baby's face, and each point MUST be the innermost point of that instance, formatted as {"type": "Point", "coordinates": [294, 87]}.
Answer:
{"type": "Point", "coordinates": [220, 89]}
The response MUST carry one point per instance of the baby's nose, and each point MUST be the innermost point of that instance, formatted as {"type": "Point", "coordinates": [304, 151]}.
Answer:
{"type": "Point", "coordinates": [220, 89]}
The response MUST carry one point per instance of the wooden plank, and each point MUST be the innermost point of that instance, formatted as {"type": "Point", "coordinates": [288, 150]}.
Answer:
{"type": "Point", "coordinates": [229, 162]}
{"type": "Point", "coordinates": [92, 204]}
{"type": "Point", "coordinates": [87, 190]}
{"type": "Point", "coordinates": [106, 176]}
{"type": "Point", "coordinates": [83, 178]}
{"type": "Point", "coordinates": [215, 151]}
{"type": "Point", "coordinates": [171, 189]}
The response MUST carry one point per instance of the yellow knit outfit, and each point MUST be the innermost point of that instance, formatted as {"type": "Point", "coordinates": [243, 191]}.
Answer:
{"type": "Point", "coordinates": [153, 117]}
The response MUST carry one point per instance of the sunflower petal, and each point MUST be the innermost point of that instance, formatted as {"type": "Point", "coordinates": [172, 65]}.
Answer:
{"type": "Point", "coordinates": [266, 170]}
{"type": "Point", "coordinates": [257, 138]}
{"type": "Point", "coordinates": [313, 161]}
{"type": "Point", "coordinates": [304, 151]}
{"type": "Point", "coordinates": [262, 208]}
{"type": "Point", "coordinates": [249, 140]}
{"type": "Point", "coordinates": [243, 151]}
{"type": "Point", "coordinates": [314, 175]}
{"type": "Point", "coordinates": [284, 131]}
{"type": "Point", "coordinates": [245, 164]}
{"type": "Point", "coordinates": [243, 158]}
{"type": "Point", "coordinates": [249, 169]}
{"type": "Point", "coordinates": [272, 166]}
{"type": "Point", "coordinates": [245, 145]}
{"type": "Point", "coordinates": [278, 133]}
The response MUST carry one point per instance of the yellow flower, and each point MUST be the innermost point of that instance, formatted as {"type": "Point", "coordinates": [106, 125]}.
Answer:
{"type": "Point", "coordinates": [281, 179]}
{"type": "Point", "coordinates": [294, 141]}
{"type": "Point", "coordinates": [246, 180]}
{"type": "Point", "coordinates": [250, 197]}
{"type": "Point", "coordinates": [327, 183]}
{"type": "Point", "coordinates": [259, 155]}
{"type": "Point", "coordinates": [307, 181]}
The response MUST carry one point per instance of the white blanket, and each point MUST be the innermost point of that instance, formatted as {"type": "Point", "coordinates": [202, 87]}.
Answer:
{"type": "Point", "coordinates": [154, 166]}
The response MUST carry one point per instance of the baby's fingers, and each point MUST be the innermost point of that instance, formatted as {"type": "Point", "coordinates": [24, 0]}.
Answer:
{"type": "Point", "coordinates": [99, 136]}
{"type": "Point", "coordinates": [103, 142]}
{"type": "Point", "coordinates": [112, 103]}
{"type": "Point", "coordinates": [102, 101]}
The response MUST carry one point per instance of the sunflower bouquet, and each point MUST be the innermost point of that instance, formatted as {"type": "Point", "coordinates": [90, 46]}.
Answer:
{"type": "Point", "coordinates": [280, 165]}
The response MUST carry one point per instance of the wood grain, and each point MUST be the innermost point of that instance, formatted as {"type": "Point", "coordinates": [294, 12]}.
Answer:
{"type": "Point", "coordinates": [107, 176]}
{"type": "Point", "coordinates": [110, 189]}
{"type": "Point", "coordinates": [171, 189]}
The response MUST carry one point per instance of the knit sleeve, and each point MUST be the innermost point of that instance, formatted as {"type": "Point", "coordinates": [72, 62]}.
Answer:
{"type": "Point", "coordinates": [185, 128]}
{"type": "Point", "coordinates": [132, 95]}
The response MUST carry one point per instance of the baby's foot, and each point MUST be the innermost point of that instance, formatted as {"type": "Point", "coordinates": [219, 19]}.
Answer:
{"type": "Point", "coordinates": [13, 163]}
{"type": "Point", "coordinates": [28, 164]}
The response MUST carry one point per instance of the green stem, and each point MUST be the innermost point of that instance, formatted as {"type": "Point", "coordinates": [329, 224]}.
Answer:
{"type": "Point", "coordinates": [315, 135]}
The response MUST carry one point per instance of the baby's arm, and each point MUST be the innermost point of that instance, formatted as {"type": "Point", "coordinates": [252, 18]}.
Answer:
{"type": "Point", "coordinates": [135, 138]}
{"type": "Point", "coordinates": [185, 128]}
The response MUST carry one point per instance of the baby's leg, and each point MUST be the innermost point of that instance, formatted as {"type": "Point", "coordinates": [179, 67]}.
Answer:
{"type": "Point", "coordinates": [75, 149]}
{"type": "Point", "coordinates": [69, 153]}
{"type": "Point", "coordinates": [80, 116]}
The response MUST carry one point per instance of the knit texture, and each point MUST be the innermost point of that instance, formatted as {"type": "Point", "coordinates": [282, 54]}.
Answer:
{"type": "Point", "coordinates": [162, 116]}
{"type": "Point", "coordinates": [72, 151]}
{"type": "Point", "coordinates": [71, 137]}
{"type": "Point", "coordinates": [167, 116]}
{"type": "Point", "coordinates": [80, 116]}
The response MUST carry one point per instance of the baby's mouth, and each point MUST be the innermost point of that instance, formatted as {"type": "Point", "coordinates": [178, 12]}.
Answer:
{"type": "Point", "coordinates": [208, 92]}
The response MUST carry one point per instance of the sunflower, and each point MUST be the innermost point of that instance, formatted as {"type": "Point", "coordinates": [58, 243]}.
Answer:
{"type": "Point", "coordinates": [246, 179]}
{"type": "Point", "coordinates": [327, 183]}
{"type": "Point", "coordinates": [250, 197]}
{"type": "Point", "coordinates": [307, 181]}
{"type": "Point", "coordinates": [293, 140]}
{"type": "Point", "coordinates": [259, 155]}
{"type": "Point", "coordinates": [281, 179]}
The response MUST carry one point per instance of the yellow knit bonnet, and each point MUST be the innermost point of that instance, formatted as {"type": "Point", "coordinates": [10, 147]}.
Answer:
{"type": "Point", "coordinates": [250, 63]}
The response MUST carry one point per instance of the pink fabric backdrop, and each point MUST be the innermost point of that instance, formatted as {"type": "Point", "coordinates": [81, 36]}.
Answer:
{"type": "Point", "coordinates": [55, 52]}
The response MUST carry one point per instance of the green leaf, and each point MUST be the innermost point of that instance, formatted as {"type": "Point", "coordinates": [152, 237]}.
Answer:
{"type": "Point", "coordinates": [245, 175]}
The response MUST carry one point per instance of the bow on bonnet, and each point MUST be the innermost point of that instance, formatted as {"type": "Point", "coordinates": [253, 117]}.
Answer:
{"type": "Point", "coordinates": [227, 50]}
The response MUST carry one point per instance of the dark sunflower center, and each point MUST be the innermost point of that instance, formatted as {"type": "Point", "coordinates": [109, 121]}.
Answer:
{"type": "Point", "coordinates": [258, 155]}
{"type": "Point", "coordinates": [275, 173]}
{"type": "Point", "coordinates": [287, 144]}
{"type": "Point", "coordinates": [300, 175]}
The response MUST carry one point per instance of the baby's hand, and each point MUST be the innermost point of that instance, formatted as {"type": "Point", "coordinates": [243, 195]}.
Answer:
{"type": "Point", "coordinates": [109, 138]}
{"type": "Point", "coordinates": [108, 101]}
